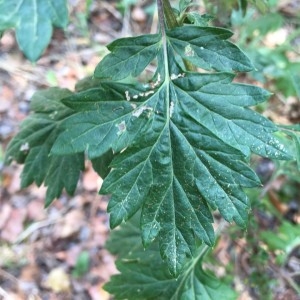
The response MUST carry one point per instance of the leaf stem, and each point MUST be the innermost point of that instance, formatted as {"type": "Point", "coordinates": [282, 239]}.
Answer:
{"type": "Point", "coordinates": [165, 12]}
{"type": "Point", "coordinates": [161, 17]}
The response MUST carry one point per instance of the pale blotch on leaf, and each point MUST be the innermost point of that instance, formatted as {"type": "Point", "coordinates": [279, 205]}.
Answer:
{"type": "Point", "coordinates": [24, 147]}
{"type": "Point", "coordinates": [141, 109]}
{"type": "Point", "coordinates": [122, 127]}
{"type": "Point", "coordinates": [174, 76]}
{"type": "Point", "coordinates": [127, 95]}
{"type": "Point", "coordinates": [171, 108]}
{"type": "Point", "coordinates": [188, 50]}
{"type": "Point", "coordinates": [52, 116]}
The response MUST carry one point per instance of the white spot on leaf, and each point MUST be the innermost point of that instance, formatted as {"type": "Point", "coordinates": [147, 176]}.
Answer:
{"type": "Point", "coordinates": [141, 109]}
{"type": "Point", "coordinates": [52, 116]}
{"type": "Point", "coordinates": [127, 95]}
{"type": "Point", "coordinates": [24, 147]}
{"type": "Point", "coordinates": [188, 50]}
{"type": "Point", "coordinates": [174, 76]}
{"type": "Point", "coordinates": [171, 108]}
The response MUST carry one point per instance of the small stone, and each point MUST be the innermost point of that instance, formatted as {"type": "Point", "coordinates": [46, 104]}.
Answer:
{"type": "Point", "coordinates": [138, 14]}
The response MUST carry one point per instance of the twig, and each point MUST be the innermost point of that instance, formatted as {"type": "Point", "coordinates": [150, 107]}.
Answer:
{"type": "Point", "coordinates": [34, 227]}
{"type": "Point", "coordinates": [8, 276]}
{"type": "Point", "coordinates": [3, 293]}
{"type": "Point", "coordinates": [290, 281]}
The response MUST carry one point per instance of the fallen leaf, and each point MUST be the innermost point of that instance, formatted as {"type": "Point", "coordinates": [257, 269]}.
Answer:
{"type": "Point", "coordinates": [70, 256]}
{"type": "Point", "coordinates": [97, 292]}
{"type": "Point", "coordinates": [6, 99]}
{"type": "Point", "coordinates": [29, 278]}
{"type": "Point", "coordinates": [14, 226]}
{"type": "Point", "coordinates": [58, 281]}
{"type": "Point", "coordinates": [5, 212]}
{"type": "Point", "coordinates": [36, 210]}
{"type": "Point", "coordinates": [11, 179]}
{"type": "Point", "coordinates": [70, 225]}
{"type": "Point", "coordinates": [7, 255]}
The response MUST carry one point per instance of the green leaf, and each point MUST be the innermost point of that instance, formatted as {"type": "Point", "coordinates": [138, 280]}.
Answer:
{"type": "Point", "coordinates": [145, 276]}
{"type": "Point", "coordinates": [87, 83]}
{"type": "Point", "coordinates": [199, 20]}
{"type": "Point", "coordinates": [262, 5]}
{"type": "Point", "coordinates": [33, 21]}
{"type": "Point", "coordinates": [181, 144]}
{"type": "Point", "coordinates": [184, 4]}
{"type": "Point", "coordinates": [295, 78]}
{"type": "Point", "coordinates": [129, 56]}
{"type": "Point", "coordinates": [207, 48]}
{"type": "Point", "coordinates": [286, 238]}
{"type": "Point", "coordinates": [102, 164]}
{"type": "Point", "coordinates": [266, 23]}
{"type": "Point", "coordinates": [104, 102]}
{"type": "Point", "coordinates": [33, 143]}
{"type": "Point", "coordinates": [82, 264]}
{"type": "Point", "coordinates": [293, 131]}
{"type": "Point", "coordinates": [243, 6]}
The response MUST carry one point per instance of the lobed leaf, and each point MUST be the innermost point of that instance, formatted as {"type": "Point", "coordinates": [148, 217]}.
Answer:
{"type": "Point", "coordinates": [33, 22]}
{"type": "Point", "coordinates": [129, 56]}
{"type": "Point", "coordinates": [145, 276]}
{"type": "Point", "coordinates": [207, 48]}
{"type": "Point", "coordinates": [33, 143]}
{"type": "Point", "coordinates": [181, 144]}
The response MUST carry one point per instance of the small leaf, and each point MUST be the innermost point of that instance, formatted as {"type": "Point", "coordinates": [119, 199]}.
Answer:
{"type": "Point", "coordinates": [199, 20]}
{"type": "Point", "coordinates": [129, 56]}
{"type": "Point", "coordinates": [82, 264]}
{"type": "Point", "coordinates": [183, 4]}
{"type": "Point", "coordinates": [58, 281]}
{"type": "Point", "coordinates": [33, 22]}
{"type": "Point", "coordinates": [243, 6]}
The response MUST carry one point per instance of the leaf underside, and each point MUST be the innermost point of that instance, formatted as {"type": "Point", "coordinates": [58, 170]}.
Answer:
{"type": "Point", "coordinates": [178, 145]}
{"type": "Point", "coordinates": [33, 21]}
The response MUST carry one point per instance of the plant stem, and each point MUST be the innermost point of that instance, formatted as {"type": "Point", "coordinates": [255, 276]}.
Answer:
{"type": "Point", "coordinates": [165, 12]}
{"type": "Point", "coordinates": [161, 17]}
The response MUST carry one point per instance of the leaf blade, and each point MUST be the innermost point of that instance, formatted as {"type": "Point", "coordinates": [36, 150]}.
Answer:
{"type": "Point", "coordinates": [33, 143]}
{"type": "Point", "coordinates": [129, 56]}
{"type": "Point", "coordinates": [33, 22]}
{"type": "Point", "coordinates": [143, 275]}
{"type": "Point", "coordinates": [207, 48]}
